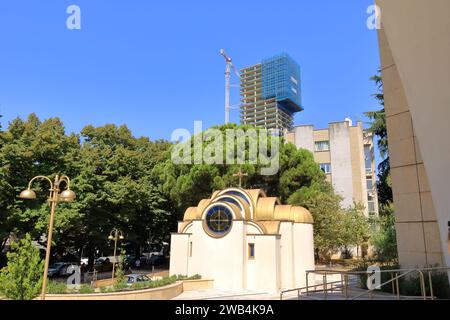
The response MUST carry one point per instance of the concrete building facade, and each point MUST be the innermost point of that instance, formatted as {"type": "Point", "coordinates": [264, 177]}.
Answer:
{"type": "Point", "coordinates": [415, 64]}
{"type": "Point", "coordinates": [345, 153]}
{"type": "Point", "coordinates": [271, 93]}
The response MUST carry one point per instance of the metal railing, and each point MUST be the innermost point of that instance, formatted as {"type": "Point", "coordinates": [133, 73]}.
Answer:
{"type": "Point", "coordinates": [343, 286]}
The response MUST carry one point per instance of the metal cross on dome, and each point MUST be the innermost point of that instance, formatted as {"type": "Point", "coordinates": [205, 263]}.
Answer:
{"type": "Point", "coordinates": [240, 174]}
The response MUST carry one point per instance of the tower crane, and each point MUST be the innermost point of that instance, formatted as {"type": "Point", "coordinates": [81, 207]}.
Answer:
{"type": "Point", "coordinates": [228, 68]}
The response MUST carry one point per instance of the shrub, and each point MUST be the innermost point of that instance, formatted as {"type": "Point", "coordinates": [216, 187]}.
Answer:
{"type": "Point", "coordinates": [22, 278]}
{"type": "Point", "coordinates": [106, 289]}
{"type": "Point", "coordinates": [410, 284]}
{"type": "Point", "coordinates": [86, 289]}
{"type": "Point", "coordinates": [56, 287]}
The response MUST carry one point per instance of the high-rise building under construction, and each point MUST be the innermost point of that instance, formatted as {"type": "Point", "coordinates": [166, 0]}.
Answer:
{"type": "Point", "coordinates": [271, 93]}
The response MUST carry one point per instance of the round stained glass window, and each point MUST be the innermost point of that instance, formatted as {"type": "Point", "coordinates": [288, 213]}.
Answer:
{"type": "Point", "coordinates": [219, 219]}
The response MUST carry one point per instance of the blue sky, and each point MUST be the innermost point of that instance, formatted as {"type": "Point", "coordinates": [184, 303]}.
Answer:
{"type": "Point", "coordinates": [155, 65]}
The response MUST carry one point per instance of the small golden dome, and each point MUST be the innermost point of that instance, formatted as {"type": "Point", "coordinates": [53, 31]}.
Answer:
{"type": "Point", "coordinates": [301, 215]}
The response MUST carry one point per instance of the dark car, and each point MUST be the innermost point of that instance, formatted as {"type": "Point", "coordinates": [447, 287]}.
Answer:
{"type": "Point", "coordinates": [157, 260]}
{"type": "Point", "coordinates": [60, 269]}
{"type": "Point", "coordinates": [103, 265]}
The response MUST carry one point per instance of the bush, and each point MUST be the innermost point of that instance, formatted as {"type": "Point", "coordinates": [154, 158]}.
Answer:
{"type": "Point", "coordinates": [383, 236]}
{"type": "Point", "coordinates": [22, 278]}
{"type": "Point", "coordinates": [56, 287]}
{"type": "Point", "coordinates": [86, 289]}
{"type": "Point", "coordinates": [409, 284]}
{"type": "Point", "coordinates": [106, 289]}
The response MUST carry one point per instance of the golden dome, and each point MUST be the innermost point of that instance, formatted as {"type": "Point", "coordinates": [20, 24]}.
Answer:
{"type": "Point", "coordinates": [190, 214]}
{"type": "Point", "coordinates": [302, 215]}
{"type": "Point", "coordinates": [266, 207]}
{"type": "Point", "coordinates": [283, 213]}
{"type": "Point", "coordinates": [254, 206]}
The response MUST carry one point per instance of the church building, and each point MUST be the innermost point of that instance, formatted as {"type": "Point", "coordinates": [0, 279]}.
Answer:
{"type": "Point", "coordinates": [244, 240]}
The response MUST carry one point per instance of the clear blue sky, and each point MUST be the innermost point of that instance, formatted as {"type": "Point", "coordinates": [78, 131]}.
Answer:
{"type": "Point", "coordinates": [155, 65]}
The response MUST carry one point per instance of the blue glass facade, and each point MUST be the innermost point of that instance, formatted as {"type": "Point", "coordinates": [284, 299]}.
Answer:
{"type": "Point", "coordinates": [281, 80]}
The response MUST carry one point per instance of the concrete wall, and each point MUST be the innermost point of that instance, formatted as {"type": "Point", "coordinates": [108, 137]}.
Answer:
{"type": "Point", "coordinates": [303, 252]}
{"type": "Point", "coordinates": [416, 76]}
{"type": "Point", "coordinates": [263, 271]}
{"type": "Point", "coordinates": [162, 293]}
{"type": "Point", "coordinates": [304, 137]}
{"type": "Point", "coordinates": [179, 244]}
{"type": "Point", "coordinates": [341, 162]}
{"type": "Point", "coordinates": [221, 259]}
{"type": "Point", "coordinates": [358, 166]}
{"type": "Point", "coordinates": [287, 255]}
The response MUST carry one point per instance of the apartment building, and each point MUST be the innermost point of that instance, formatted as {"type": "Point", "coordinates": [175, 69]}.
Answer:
{"type": "Point", "coordinates": [345, 153]}
{"type": "Point", "coordinates": [271, 93]}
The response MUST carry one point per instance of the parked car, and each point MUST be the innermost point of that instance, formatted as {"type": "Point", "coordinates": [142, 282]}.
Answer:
{"type": "Point", "coordinates": [157, 260]}
{"type": "Point", "coordinates": [103, 265]}
{"type": "Point", "coordinates": [136, 277]}
{"type": "Point", "coordinates": [59, 269]}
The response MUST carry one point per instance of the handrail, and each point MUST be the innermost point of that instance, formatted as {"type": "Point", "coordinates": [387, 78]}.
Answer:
{"type": "Point", "coordinates": [399, 273]}
{"type": "Point", "coordinates": [307, 287]}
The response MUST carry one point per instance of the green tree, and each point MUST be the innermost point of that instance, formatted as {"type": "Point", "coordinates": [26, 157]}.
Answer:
{"type": "Point", "coordinates": [356, 227]}
{"type": "Point", "coordinates": [383, 237]}
{"type": "Point", "coordinates": [379, 129]}
{"type": "Point", "coordinates": [186, 184]}
{"type": "Point", "coordinates": [115, 188]}
{"type": "Point", "coordinates": [22, 278]}
{"type": "Point", "coordinates": [329, 235]}
{"type": "Point", "coordinates": [29, 148]}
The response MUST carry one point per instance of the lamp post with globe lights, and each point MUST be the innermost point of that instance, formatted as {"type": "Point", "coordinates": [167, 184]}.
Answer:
{"type": "Point", "coordinates": [55, 197]}
{"type": "Point", "coordinates": [115, 235]}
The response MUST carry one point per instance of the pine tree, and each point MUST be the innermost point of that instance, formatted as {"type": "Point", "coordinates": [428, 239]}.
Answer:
{"type": "Point", "coordinates": [22, 278]}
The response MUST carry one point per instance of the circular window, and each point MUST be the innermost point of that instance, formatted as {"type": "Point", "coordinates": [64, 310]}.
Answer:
{"type": "Point", "coordinates": [219, 219]}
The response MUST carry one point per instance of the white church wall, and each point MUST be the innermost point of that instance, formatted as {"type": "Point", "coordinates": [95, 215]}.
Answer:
{"type": "Point", "coordinates": [263, 272]}
{"type": "Point", "coordinates": [303, 253]}
{"type": "Point", "coordinates": [179, 245]}
{"type": "Point", "coordinates": [287, 255]}
{"type": "Point", "coordinates": [220, 259]}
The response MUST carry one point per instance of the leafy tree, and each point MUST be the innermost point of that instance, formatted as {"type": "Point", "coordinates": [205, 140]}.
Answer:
{"type": "Point", "coordinates": [110, 171]}
{"type": "Point", "coordinates": [187, 184]}
{"type": "Point", "coordinates": [328, 218]}
{"type": "Point", "coordinates": [379, 129]}
{"type": "Point", "coordinates": [22, 278]}
{"type": "Point", "coordinates": [384, 237]}
{"type": "Point", "coordinates": [115, 189]}
{"type": "Point", "coordinates": [30, 148]}
{"type": "Point", "coordinates": [356, 227]}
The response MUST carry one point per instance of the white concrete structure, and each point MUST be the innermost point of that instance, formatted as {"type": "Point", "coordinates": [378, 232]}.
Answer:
{"type": "Point", "coordinates": [415, 63]}
{"type": "Point", "coordinates": [244, 240]}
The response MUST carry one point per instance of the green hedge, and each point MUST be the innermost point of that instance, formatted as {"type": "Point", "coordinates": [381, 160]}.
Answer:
{"type": "Point", "coordinates": [410, 284]}
{"type": "Point", "coordinates": [58, 287]}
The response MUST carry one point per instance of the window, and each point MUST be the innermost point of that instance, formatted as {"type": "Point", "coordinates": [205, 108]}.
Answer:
{"type": "Point", "coordinates": [322, 145]}
{"type": "Point", "coordinates": [190, 249]}
{"type": "Point", "coordinates": [368, 158]}
{"type": "Point", "coordinates": [371, 206]}
{"type": "Point", "coordinates": [326, 167]}
{"type": "Point", "coordinates": [219, 220]}
{"type": "Point", "coordinates": [251, 251]}
{"type": "Point", "coordinates": [369, 184]}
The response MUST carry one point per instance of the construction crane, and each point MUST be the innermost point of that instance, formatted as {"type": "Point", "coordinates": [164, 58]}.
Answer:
{"type": "Point", "coordinates": [228, 68]}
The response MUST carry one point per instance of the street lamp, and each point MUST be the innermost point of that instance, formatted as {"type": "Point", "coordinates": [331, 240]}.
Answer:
{"type": "Point", "coordinates": [54, 198]}
{"type": "Point", "coordinates": [115, 235]}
